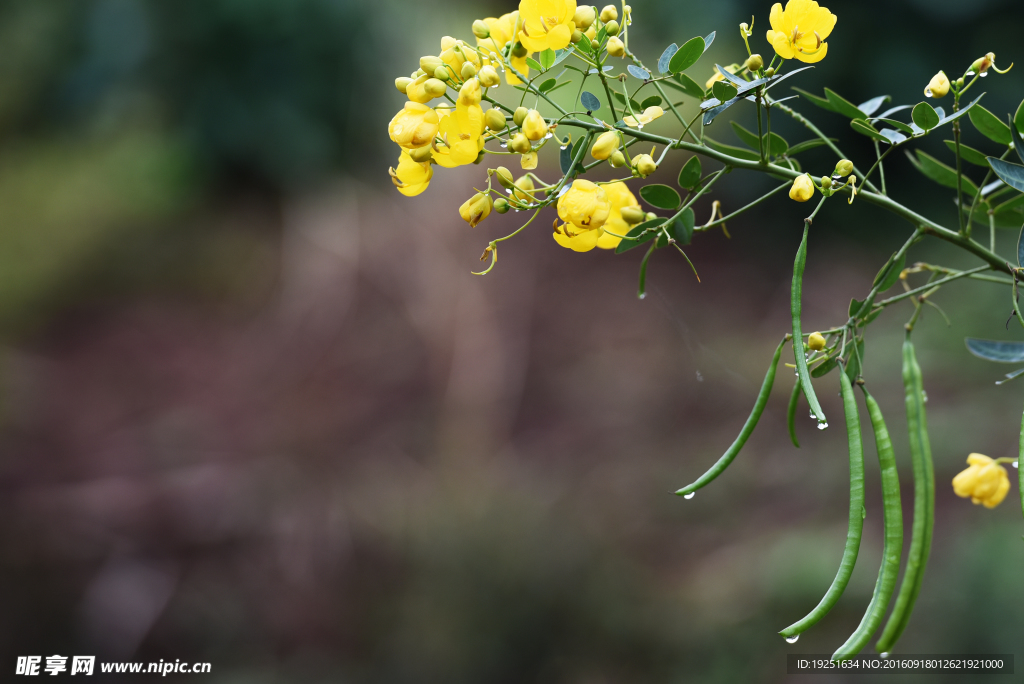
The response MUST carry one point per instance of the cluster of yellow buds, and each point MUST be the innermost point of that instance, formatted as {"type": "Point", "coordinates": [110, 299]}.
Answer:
{"type": "Point", "coordinates": [803, 187]}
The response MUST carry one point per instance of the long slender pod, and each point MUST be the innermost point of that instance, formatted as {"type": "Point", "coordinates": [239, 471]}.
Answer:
{"type": "Point", "coordinates": [796, 305]}
{"type": "Point", "coordinates": [762, 398]}
{"type": "Point", "coordinates": [1020, 465]}
{"type": "Point", "coordinates": [794, 400]}
{"type": "Point", "coordinates": [892, 549]}
{"type": "Point", "coordinates": [924, 501]}
{"type": "Point", "coordinates": [856, 527]}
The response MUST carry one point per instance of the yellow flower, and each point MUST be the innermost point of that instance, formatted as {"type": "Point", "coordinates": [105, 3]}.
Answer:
{"type": "Point", "coordinates": [606, 144]}
{"type": "Point", "coordinates": [803, 189]}
{"type": "Point", "coordinates": [476, 209]}
{"type": "Point", "coordinates": [619, 195]}
{"type": "Point", "coordinates": [470, 93]}
{"type": "Point", "coordinates": [938, 86]}
{"type": "Point", "coordinates": [644, 165]}
{"type": "Point", "coordinates": [816, 341]}
{"type": "Point", "coordinates": [528, 161]}
{"type": "Point", "coordinates": [534, 126]}
{"type": "Point", "coordinates": [645, 117]}
{"type": "Point", "coordinates": [985, 481]}
{"type": "Point", "coordinates": [503, 30]}
{"type": "Point", "coordinates": [411, 178]}
{"type": "Point", "coordinates": [584, 208]}
{"type": "Point", "coordinates": [460, 136]}
{"type": "Point", "coordinates": [414, 126]}
{"type": "Point", "coordinates": [547, 24]}
{"type": "Point", "coordinates": [800, 30]}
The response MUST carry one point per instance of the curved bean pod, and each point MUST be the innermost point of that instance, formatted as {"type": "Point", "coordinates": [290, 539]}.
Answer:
{"type": "Point", "coordinates": [748, 428]}
{"type": "Point", "coordinates": [1020, 462]}
{"type": "Point", "coordinates": [924, 501]}
{"type": "Point", "coordinates": [796, 294]}
{"type": "Point", "coordinates": [892, 514]}
{"type": "Point", "coordinates": [856, 527]}
{"type": "Point", "coordinates": [794, 400]}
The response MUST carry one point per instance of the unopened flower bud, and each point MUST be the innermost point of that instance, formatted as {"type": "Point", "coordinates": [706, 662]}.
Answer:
{"type": "Point", "coordinates": [576, 36]}
{"type": "Point", "coordinates": [584, 17]}
{"type": "Point", "coordinates": [476, 209]}
{"type": "Point", "coordinates": [938, 86]}
{"type": "Point", "coordinates": [844, 167]}
{"type": "Point", "coordinates": [495, 120]}
{"type": "Point", "coordinates": [609, 13]}
{"type": "Point", "coordinates": [501, 205]}
{"type": "Point", "coordinates": [960, 82]}
{"type": "Point", "coordinates": [606, 144]}
{"type": "Point", "coordinates": [468, 71]}
{"type": "Point", "coordinates": [518, 50]}
{"type": "Point", "coordinates": [520, 115]}
{"type": "Point", "coordinates": [826, 185]}
{"type": "Point", "coordinates": [615, 47]}
{"type": "Point", "coordinates": [469, 93]}
{"type": "Point", "coordinates": [650, 216]}
{"type": "Point", "coordinates": [534, 126]}
{"type": "Point", "coordinates": [617, 160]}
{"type": "Point", "coordinates": [982, 64]}
{"type": "Point", "coordinates": [504, 177]}
{"type": "Point", "coordinates": [416, 74]}
{"type": "Point", "coordinates": [402, 83]}
{"type": "Point", "coordinates": [524, 189]}
{"type": "Point", "coordinates": [644, 165]}
{"type": "Point", "coordinates": [520, 143]}
{"type": "Point", "coordinates": [803, 189]}
{"type": "Point", "coordinates": [769, 72]}
{"type": "Point", "coordinates": [434, 87]}
{"type": "Point", "coordinates": [441, 73]}
{"type": "Point", "coordinates": [421, 154]}
{"type": "Point", "coordinates": [612, 28]}
{"type": "Point", "coordinates": [816, 341]}
{"type": "Point", "coordinates": [488, 76]}
{"type": "Point", "coordinates": [632, 214]}
{"type": "Point", "coordinates": [481, 30]}
{"type": "Point", "coordinates": [429, 63]}
{"type": "Point", "coordinates": [754, 62]}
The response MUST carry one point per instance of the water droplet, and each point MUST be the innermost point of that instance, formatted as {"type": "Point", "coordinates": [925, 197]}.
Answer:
{"type": "Point", "coordinates": [885, 655]}
{"type": "Point", "coordinates": [690, 495]}
{"type": "Point", "coordinates": [504, 145]}
{"type": "Point", "coordinates": [812, 415]}
{"type": "Point", "coordinates": [549, 135]}
{"type": "Point", "coordinates": [639, 126]}
{"type": "Point", "coordinates": [643, 295]}
{"type": "Point", "coordinates": [792, 639]}
{"type": "Point", "coordinates": [927, 92]}
{"type": "Point", "coordinates": [563, 147]}
{"type": "Point", "coordinates": [1015, 465]}
{"type": "Point", "coordinates": [863, 512]}
{"type": "Point", "coordinates": [983, 74]}
{"type": "Point", "coordinates": [924, 396]}
{"type": "Point", "coordinates": [822, 426]}
{"type": "Point", "coordinates": [700, 378]}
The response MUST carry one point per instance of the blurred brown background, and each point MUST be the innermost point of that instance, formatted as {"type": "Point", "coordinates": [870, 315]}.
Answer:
{"type": "Point", "coordinates": [257, 412]}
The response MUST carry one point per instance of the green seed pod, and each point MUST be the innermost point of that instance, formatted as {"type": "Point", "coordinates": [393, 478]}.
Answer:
{"type": "Point", "coordinates": [612, 28]}
{"type": "Point", "coordinates": [501, 205]}
{"type": "Point", "coordinates": [518, 50]}
{"type": "Point", "coordinates": [429, 63]}
{"type": "Point", "coordinates": [402, 83]}
{"type": "Point", "coordinates": [468, 71]}
{"type": "Point", "coordinates": [481, 30]}
{"type": "Point", "coordinates": [520, 115]}
{"type": "Point", "coordinates": [495, 120]}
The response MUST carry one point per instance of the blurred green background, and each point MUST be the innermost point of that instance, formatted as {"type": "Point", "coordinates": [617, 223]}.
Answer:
{"type": "Point", "coordinates": [255, 411]}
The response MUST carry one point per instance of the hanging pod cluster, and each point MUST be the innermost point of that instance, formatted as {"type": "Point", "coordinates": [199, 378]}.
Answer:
{"type": "Point", "coordinates": [924, 481]}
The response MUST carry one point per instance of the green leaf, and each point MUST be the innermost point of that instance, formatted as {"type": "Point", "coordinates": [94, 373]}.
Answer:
{"type": "Point", "coordinates": [815, 100]}
{"type": "Point", "coordinates": [1010, 376]}
{"type": "Point", "coordinates": [632, 103]}
{"type": "Point", "coordinates": [1020, 248]}
{"type": "Point", "coordinates": [602, 33]}
{"type": "Point", "coordinates": [1018, 118]}
{"type": "Point", "coordinates": [585, 45]}
{"type": "Point", "coordinates": [682, 228]}
{"type": "Point", "coordinates": [749, 138]}
{"type": "Point", "coordinates": [853, 365]}
{"type": "Point", "coordinates": [731, 77]}
{"type": "Point", "coordinates": [872, 105]}
{"type": "Point", "coordinates": [637, 231]}
{"type": "Point", "coordinates": [590, 101]}
{"type": "Point", "coordinates": [924, 115]}
{"type": "Point", "coordinates": [1009, 205]}
{"type": "Point", "coordinates": [1018, 144]}
{"type": "Point", "coordinates": [887, 277]}
{"type": "Point", "coordinates": [638, 72]}
{"type": "Point", "coordinates": [534, 64]}
{"type": "Point", "coordinates": [968, 154]}
{"type": "Point", "coordinates": [687, 85]}
{"type": "Point", "coordinates": [963, 110]}
{"type": "Point", "coordinates": [807, 145]}
{"type": "Point", "coordinates": [898, 125]}
{"type": "Point", "coordinates": [940, 173]}
{"type": "Point", "coordinates": [989, 125]}
{"type": "Point", "coordinates": [824, 369]}
{"type": "Point", "coordinates": [687, 55]}
{"type": "Point", "coordinates": [864, 128]}
{"type": "Point", "coordinates": [855, 305]}
{"type": "Point", "coordinates": [994, 350]}
{"type": "Point", "coordinates": [565, 159]}
{"type": "Point", "coordinates": [708, 40]}
{"type": "Point", "coordinates": [560, 85]}
{"type": "Point", "coordinates": [660, 196]}
{"type": "Point", "coordinates": [841, 105]}
{"type": "Point", "coordinates": [1011, 174]}
{"type": "Point", "coordinates": [666, 58]}
{"type": "Point", "coordinates": [775, 144]}
{"type": "Point", "coordinates": [723, 91]}
{"type": "Point", "coordinates": [652, 101]}
{"type": "Point", "coordinates": [691, 173]}
{"type": "Point", "coordinates": [547, 85]}
{"type": "Point", "coordinates": [737, 152]}
{"type": "Point", "coordinates": [547, 59]}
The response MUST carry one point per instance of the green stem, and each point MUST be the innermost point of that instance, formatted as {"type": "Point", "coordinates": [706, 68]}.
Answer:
{"type": "Point", "coordinates": [762, 198]}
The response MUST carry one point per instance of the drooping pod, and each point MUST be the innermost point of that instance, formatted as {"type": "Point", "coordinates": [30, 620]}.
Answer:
{"type": "Point", "coordinates": [892, 549]}
{"type": "Point", "coordinates": [924, 501]}
{"type": "Point", "coordinates": [856, 523]}
{"type": "Point", "coordinates": [762, 398]}
{"type": "Point", "coordinates": [796, 298]}
{"type": "Point", "coordinates": [794, 400]}
{"type": "Point", "coordinates": [1020, 465]}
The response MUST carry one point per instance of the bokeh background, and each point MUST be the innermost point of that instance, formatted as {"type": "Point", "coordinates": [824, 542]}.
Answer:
{"type": "Point", "coordinates": [257, 412]}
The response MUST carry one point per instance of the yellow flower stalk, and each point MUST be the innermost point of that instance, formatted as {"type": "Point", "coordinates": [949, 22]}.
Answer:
{"type": "Point", "coordinates": [584, 208]}
{"type": "Point", "coordinates": [621, 200]}
{"type": "Point", "coordinates": [459, 135]}
{"type": "Point", "coordinates": [803, 189]}
{"type": "Point", "coordinates": [606, 144]}
{"type": "Point", "coordinates": [534, 126]}
{"type": "Point", "coordinates": [799, 31]}
{"type": "Point", "coordinates": [414, 126]}
{"type": "Point", "coordinates": [503, 30]}
{"type": "Point", "coordinates": [476, 209]}
{"type": "Point", "coordinates": [645, 117]}
{"type": "Point", "coordinates": [547, 24]}
{"type": "Point", "coordinates": [938, 86]}
{"type": "Point", "coordinates": [411, 178]}
{"type": "Point", "coordinates": [985, 481]}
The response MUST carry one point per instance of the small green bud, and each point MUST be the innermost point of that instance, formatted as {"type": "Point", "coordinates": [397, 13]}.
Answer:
{"type": "Point", "coordinates": [421, 154]}
{"type": "Point", "coordinates": [520, 144]}
{"type": "Point", "coordinates": [844, 167]}
{"type": "Point", "coordinates": [480, 157]}
{"type": "Point", "coordinates": [468, 71]}
{"type": "Point", "coordinates": [650, 216]}
{"type": "Point", "coordinates": [518, 50]}
{"type": "Point", "coordinates": [632, 215]}
{"type": "Point", "coordinates": [577, 36]}
{"type": "Point", "coordinates": [495, 120]}
{"type": "Point", "coordinates": [520, 116]}
{"type": "Point", "coordinates": [769, 72]}
{"type": "Point", "coordinates": [754, 62]}
{"type": "Point", "coordinates": [481, 30]}
{"type": "Point", "coordinates": [504, 177]}
{"type": "Point", "coordinates": [612, 28]}
{"type": "Point", "coordinates": [441, 73]}
{"type": "Point", "coordinates": [617, 160]}
{"type": "Point", "coordinates": [501, 205]}
{"type": "Point", "coordinates": [416, 74]}
{"type": "Point", "coordinates": [402, 83]}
